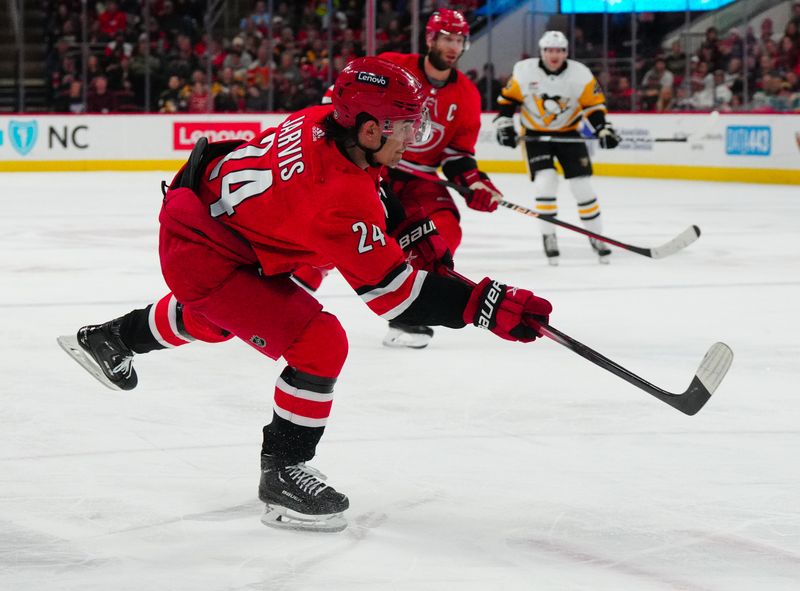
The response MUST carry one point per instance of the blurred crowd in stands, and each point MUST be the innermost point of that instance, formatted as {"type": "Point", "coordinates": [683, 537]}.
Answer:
{"type": "Point", "coordinates": [281, 61]}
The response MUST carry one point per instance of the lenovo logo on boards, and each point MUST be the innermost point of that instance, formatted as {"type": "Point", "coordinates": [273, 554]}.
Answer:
{"type": "Point", "coordinates": [186, 134]}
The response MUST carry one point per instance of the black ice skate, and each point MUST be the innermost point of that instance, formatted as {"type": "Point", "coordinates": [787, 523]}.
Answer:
{"type": "Point", "coordinates": [602, 250]}
{"type": "Point", "coordinates": [407, 335]}
{"type": "Point", "coordinates": [551, 249]}
{"type": "Point", "coordinates": [101, 352]}
{"type": "Point", "coordinates": [297, 498]}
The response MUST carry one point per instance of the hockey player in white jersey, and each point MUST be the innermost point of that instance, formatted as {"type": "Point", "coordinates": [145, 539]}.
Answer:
{"type": "Point", "coordinates": [554, 94]}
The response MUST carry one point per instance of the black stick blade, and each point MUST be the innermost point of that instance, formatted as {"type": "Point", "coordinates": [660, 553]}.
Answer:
{"type": "Point", "coordinates": [708, 377]}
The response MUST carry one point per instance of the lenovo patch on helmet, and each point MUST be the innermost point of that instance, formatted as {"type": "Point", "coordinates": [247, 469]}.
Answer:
{"type": "Point", "coordinates": [372, 79]}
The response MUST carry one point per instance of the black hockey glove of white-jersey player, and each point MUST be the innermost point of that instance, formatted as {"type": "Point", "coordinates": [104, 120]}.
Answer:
{"type": "Point", "coordinates": [504, 129]}
{"type": "Point", "coordinates": [607, 137]}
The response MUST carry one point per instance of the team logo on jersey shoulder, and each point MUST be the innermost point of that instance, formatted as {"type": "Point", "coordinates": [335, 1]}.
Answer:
{"type": "Point", "coordinates": [258, 341]}
{"type": "Point", "coordinates": [23, 135]}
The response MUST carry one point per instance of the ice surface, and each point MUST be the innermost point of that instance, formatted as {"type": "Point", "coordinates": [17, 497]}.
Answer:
{"type": "Point", "coordinates": [473, 465]}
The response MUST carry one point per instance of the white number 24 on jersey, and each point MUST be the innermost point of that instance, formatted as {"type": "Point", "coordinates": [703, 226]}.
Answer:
{"type": "Point", "coordinates": [363, 244]}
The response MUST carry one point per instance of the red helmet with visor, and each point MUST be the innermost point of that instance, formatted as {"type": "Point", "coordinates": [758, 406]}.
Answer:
{"type": "Point", "coordinates": [387, 92]}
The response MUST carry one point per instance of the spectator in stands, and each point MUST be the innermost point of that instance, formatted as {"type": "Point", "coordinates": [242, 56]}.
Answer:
{"type": "Point", "coordinates": [721, 93]}
{"type": "Point", "coordinates": [141, 61]}
{"type": "Point", "coordinates": [112, 21]}
{"type": "Point", "coordinates": [100, 99]}
{"type": "Point", "coordinates": [200, 100]}
{"type": "Point", "coordinates": [699, 79]}
{"type": "Point", "coordinates": [737, 43]}
{"type": "Point", "coordinates": [181, 60]}
{"type": "Point", "coordinates": [666, 100]}
{"type": "Point", "coordinates": [582, 48]}
{"type": "Point", "coordinates": [676, 60]}
{"type": "Point", "coordinates": [257, 100]}
{"type": "Point", "coordinates": [788, 54]}
{"type": "Point", "coordinates": [260, 71]}
{"type": "Point", "coordinates": [119, 75]}
{"type": "Point", "coordinates": [171, 100]}
{"type": "Point", "coordinates": [733, 76]}
{"type": "Point", "coordinates": [258, 19]}
{"type": "Point", "coordinates": [620, 95]}
{"type": "Point", "coordinates": [228, 93]}
{"type": "Point", "coordinates": [386, 14]}
{"type": "Point", "coordinates": [71, 100]}
{"type": "Point", "coordinates": [169, 22]}
{"type": "Point", "coordinates": [654, 80]}
{"type": "Point", "coordinates": [118, 47]}
{"type": "Point", "coordinates": [769, 85]}
{"type": "Point", "coordinates": [63, 76]}
{"type": "Point", "coordinates": [710, 55]}
{"type": "Point", "coordinates": [394, 38]}
{"type": "Point", "coordinates": [238, 58]}
{"type": "Point", "coordinates": [56, 25]}
{"type": "Point", "coordinates": [793, 80]}
{"type": "Point", "coordinates": [766, 63]}
{"type": "Point", "coordinates": [767, 34]}
{"type": "Point", "coordinates": [93, 68]}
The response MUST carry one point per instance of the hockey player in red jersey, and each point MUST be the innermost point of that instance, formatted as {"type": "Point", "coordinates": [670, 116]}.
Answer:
{"type": "Point", "coordinates": [455, 106]}
{"type": "Point", "coordinates": [239, 218]}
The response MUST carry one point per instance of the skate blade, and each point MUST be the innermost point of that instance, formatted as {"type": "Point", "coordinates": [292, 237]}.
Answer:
{"type": "Point", "coordinates": [552, 261]}
{"type": "Point", "coordinates": [400, 339]}
{"type": "Point", "coordinates": [71, 347]}
{"type": "Point", "coordinates": [282, 518]}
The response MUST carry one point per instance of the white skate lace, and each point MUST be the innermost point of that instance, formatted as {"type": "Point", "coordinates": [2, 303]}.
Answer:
{"type": "Point", "coordinates": [123, 366]}
{"type": "Point", "coordinates": [307, 478]}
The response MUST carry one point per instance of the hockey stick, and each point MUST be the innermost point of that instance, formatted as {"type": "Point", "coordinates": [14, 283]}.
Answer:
{"type": "Point", "coordinates": [679, 242]}
{"type": "Point", "coordinates": [707, 378]}
{"type": "Point", "coordinates": [579, 140]}
{"type": "Point", "coordinates": [712, 118]}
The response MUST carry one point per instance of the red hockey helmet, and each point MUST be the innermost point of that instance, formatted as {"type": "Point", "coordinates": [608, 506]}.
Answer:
{"type": "Point", "coordinates": [449, 22]}
{"type": "Point", "coordinates": [385, 91]}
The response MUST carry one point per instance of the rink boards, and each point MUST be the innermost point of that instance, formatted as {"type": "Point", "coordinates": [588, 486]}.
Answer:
{"type": "Point", "coordinates": [731, 147]}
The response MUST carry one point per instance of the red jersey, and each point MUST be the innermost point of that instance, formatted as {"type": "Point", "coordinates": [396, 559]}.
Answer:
{"type": "Point", "coordinates": [297, 200]}
{"type": "Point", "coordinates": [455, 111]}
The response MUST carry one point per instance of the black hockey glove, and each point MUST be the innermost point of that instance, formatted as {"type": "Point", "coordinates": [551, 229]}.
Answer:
{"type": "Point", "coordinates": [506, 134]}
{"type": "Point", "coordinates": [607, 137]}
{"type": "Point", "coordinates": [425, 249]}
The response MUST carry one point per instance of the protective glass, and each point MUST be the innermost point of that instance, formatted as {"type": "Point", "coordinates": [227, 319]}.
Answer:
{"type": "Point", "coordinates": [410, 131]}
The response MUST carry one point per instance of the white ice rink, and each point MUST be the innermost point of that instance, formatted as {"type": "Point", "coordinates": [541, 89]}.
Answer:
{"type": "Point", "coordinates": [473, 465]}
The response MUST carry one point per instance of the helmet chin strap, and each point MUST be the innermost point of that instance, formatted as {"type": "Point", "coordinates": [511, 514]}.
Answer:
{"type": "Point", "coordinates": [369, 153]}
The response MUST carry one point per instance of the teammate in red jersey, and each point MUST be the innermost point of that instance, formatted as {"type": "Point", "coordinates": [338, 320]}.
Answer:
{"type": "Point", "coordinates": [455, 107]}
{"type": "Point", "coordinates": [239, 218]}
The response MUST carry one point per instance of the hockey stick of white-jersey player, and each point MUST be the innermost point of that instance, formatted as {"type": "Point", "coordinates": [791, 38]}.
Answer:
{"type": "Point", "coordinates": [707, 378]}
{"type": "Point", "coordinates": [581, 140]}
{"type": "Point", "coordinates": [709, 122]}
{"type": "Point", "coordinates": [679, 242]}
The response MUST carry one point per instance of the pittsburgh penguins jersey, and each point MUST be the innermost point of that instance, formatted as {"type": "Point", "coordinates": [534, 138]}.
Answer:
{"type": "Point", "coordinates": [552, 102]}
